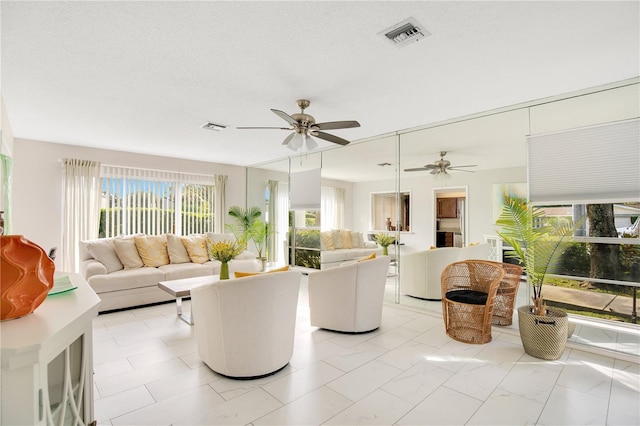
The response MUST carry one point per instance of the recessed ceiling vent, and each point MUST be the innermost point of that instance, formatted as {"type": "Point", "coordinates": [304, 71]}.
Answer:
{"type": "Point", "coordinates": [405, 32]}
{"type": "Point", "coordinates": [213, 126]}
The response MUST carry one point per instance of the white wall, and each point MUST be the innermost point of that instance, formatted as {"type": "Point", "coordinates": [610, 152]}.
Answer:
{"type": "Point", "coordinates": [37, 183]}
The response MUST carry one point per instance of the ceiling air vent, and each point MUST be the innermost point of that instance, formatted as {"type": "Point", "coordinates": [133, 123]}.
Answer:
{"type": "Point", "coordinates": [405, 32]}
{"type": "Point", "coordinates": [213, 126]}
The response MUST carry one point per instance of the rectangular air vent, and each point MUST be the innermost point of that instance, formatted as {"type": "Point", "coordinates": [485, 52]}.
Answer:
{"type": "Point", "coordinates": [405, 32]}
{"type": "Point", "coordinates": [213, 126]}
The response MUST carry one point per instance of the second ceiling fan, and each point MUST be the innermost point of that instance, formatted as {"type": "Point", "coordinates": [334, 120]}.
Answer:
{"type": "Point", "coordinates": [441, 167]}
{"type": "Point", "coordinates": [303, 126]}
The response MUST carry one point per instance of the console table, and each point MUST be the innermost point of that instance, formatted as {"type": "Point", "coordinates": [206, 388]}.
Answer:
{"type": "Point", "coordinates": [47, 360]}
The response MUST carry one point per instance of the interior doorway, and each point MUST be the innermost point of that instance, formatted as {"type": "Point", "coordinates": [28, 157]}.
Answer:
{"type": "Point", "coordinates": [450, 216]}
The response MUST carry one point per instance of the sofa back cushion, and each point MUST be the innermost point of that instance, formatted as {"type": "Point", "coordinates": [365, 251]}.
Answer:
{"type": "Point", "coordinates": [196, 246]}
{"type": "Point", "coordinates": [176, 250]}
{"type": "Point", "coordinates": [104, 252]}
{"type": "Point", "coordinates": [127, 253]}
{"type": "Point", "coordinates": [152, 250]}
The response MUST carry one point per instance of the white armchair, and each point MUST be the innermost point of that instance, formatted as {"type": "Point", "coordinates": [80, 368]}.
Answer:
{"type": "Point", "coordinates": [349, 298]}
{"type": "Point", "coordinates": [245, 327]}
{"type": "Point", "coordinates": [420, 271]}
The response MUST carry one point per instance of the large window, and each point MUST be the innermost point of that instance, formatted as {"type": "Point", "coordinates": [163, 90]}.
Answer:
{"type": "Point", "coordinates": [604, 254]}
{"type": "Point", "coordinates": [155, 202]}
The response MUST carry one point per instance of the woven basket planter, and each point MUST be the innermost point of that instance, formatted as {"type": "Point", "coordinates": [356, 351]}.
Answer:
{"type": "Point", "coordinates": [543, 337]}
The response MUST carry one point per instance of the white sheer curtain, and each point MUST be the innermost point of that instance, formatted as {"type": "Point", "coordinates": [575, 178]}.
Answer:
{"type": "Point", "coordinates": [332, 212]}
{"type": "Point", "coordinates": [272, 217]}
{"type": "Point", "coordinates": [282, 222]}
{"type": "Point", "coordinates": [221, 203]}
{"type": "Point", "coordinates": [81, 208]}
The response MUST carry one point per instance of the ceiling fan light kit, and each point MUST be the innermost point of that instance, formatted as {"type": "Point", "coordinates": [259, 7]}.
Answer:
{"type": "Point", "coordinates": [304, 126]}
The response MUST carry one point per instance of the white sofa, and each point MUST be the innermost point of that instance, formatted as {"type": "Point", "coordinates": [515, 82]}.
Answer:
{"type": "Point", "coordinates": [343, 245]}
{"type": "Point", "coordinates": [420, 272]}
{"type": "Point", "coordinates": [349, 298]}
{"type": "Point", "coordinates": [245, 327]}
{"type": "Point", "coordinates": [123, 285]}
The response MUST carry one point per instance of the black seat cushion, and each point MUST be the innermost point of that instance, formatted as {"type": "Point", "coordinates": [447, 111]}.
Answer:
{"type": "Point", "coordinates": [470, 297]}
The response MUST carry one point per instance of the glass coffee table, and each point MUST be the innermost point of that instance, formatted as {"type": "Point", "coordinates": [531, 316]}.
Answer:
{"type": "Point", "coordinates": [182, 288]}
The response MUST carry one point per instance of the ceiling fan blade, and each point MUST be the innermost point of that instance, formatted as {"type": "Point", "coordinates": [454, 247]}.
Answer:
{"type": "Point", "coordinates": [470, 165]}
{"type": "Point", "coordinates": [422, 169]}
{"type": "Point", "coordinates": [460, 170]}
{"type": "Point", "coordinates": [286, 117]}
{"type": "Point", "coordinates": [330, 138]}
{"type": "Point", "coordinates": [332, 125]}
{"type": "Point", "coordinates": [278, 128]}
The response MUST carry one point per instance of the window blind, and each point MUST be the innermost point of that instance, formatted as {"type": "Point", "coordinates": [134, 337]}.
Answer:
{"type": "Point", "coordinates": [596, 164]}
{"type": "Point", "coordinates": [305, 190]}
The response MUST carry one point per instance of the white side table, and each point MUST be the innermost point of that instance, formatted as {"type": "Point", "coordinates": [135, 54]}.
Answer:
{"type": "Point", "coordinates": [47, 360]}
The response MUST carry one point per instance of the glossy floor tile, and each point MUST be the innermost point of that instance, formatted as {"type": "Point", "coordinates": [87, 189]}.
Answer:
{"type": "Point", "coordinates": [408, 372]}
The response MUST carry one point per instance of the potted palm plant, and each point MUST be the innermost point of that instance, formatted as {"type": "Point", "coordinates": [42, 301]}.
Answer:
{"type": "Point", "coordinates": [537, 246]}
{"type": "Point", "coordinates": [249, 227]}
{"type": "Point", "coordinates": [259, 232]}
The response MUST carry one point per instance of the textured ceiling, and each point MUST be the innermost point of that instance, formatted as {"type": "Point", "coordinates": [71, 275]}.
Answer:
{"type": "Point", "coordinates": [143, 76]}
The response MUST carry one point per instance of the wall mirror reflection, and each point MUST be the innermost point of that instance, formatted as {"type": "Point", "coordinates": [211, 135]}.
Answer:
{"type": "Point", "coordinates": [391, 211]}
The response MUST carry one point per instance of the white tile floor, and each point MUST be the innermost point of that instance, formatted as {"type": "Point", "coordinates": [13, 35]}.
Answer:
{"type": "Point", "coordinates": [147, 372]}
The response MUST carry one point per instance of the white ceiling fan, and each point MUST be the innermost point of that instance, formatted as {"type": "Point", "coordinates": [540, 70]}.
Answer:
{"type": "Point", "coordinates": [304, 126]}
{"type": "Point", "coordinates": [441, 167]}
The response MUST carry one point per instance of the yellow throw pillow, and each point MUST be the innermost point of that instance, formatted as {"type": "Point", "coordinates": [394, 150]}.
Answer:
{"type": "Point", "coordinates": [326, 238]}
{"type": "Point", "coordinates": [433, 248]}
{"type": "Point", "coordinates": [196, 246]}
{"type": "Point", "coordinates": [371, 256]}
{"type": "Point", "coordinates": [472, 244]}
{"type": "Point", "coordinates": [345, 237]}
{"type": "Point", "coordinates": [250, 274]}
{"type": "Point", "coordinates": [152, 250]}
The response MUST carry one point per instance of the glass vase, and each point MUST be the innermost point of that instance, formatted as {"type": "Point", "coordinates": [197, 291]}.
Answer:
{"type": "Point", "coordinates": [224, 271]}
{"type": "Point", "coordinates": [385, 251]}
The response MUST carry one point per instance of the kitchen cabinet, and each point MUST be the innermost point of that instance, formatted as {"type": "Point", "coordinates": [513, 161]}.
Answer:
{"type": "Point", "coordinates": [447, 207]}
{"type": "Point", "coordinates": [444, 239]}
{"type": "Point", "coordinates": [47, 361]}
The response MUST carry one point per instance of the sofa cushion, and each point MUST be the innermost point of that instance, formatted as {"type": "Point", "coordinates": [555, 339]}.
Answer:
{"type": "Point", "coordinates": [326, 241]}
{"type": "Point", "coordinates": [337, 239]}
{"type": "Point", "coordinates": [196, 246]}
{"type": "Point", "coordinates": [177, 251]}
{"type": "Point", "coordinates": [356, 240]}
{"type": "Point", "coordinates": [104, 252]}
{"type": "Point", "coordinates": [152, 249]}
{"type": "Point", "coordinates": [345, 238]}
{"type": "Point", "coordinates": [128, 253]}
{"type": "Point", "coordinates": [126, 279]}
{"type": "Point", "coordinates": [187, 270]}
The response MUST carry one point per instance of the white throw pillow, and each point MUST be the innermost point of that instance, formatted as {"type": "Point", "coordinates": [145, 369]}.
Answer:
{"type": "Point", "coordinates": [177, 251]}
{"type": "Point", "coordinates": [356, 239]}
{"type": "Point", "coordinates": [128, 253]}
{"type": "Point", "coordinates": [104, 252]}
{"type": "Point", "coordinates": [337, 240]}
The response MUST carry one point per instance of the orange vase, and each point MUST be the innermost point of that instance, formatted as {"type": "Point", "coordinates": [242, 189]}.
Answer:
{"type": "Point", "coordinates": [26, 276]}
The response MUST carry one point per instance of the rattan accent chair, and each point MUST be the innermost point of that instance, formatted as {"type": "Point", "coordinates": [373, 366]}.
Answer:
{"type": "Point", "coordinates": [506, 295]}
{"type": "Point", "coordinates": [469, 291]}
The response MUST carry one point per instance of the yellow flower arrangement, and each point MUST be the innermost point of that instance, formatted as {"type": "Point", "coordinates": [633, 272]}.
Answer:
{"type": "Point", "coordinates": [224, 251]}
{"type": "Point", "coordinates": [384, 239]}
